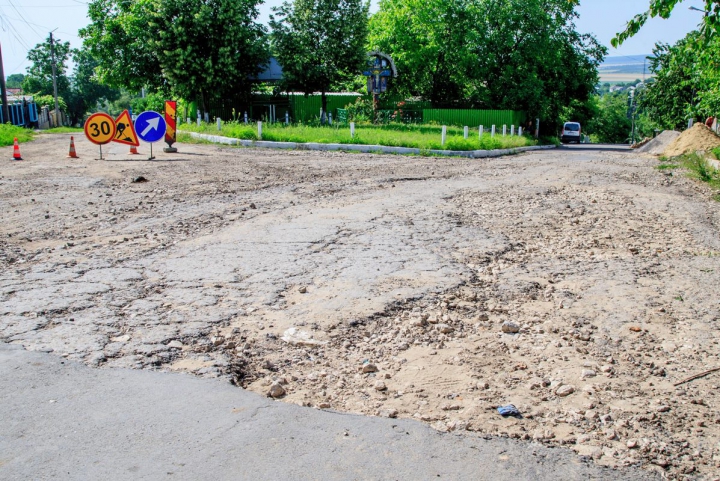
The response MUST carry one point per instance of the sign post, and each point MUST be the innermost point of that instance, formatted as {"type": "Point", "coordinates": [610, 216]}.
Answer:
{"type": "Point", "coordinates": [171, 122]}
{"type": "Point", "coordinates": [100, 130]}
{"type": "Point", "coordinates": [150, 127]}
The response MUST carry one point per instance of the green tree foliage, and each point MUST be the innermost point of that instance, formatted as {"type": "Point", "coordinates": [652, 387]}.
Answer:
{"type": "Point", "coordinates": [14, 81]}
{"type": "Point", "coordinates": [501, 54]}
{"type": "Point", "coordinates": [319, 43]}
{"type": "Point", "coordinates": [39, 78]}
{"type": "Point", "coordinates": [671, 98]}
{"type": "Point", "coordinates": [86, 91]}
{"type": "Point", "coordinates": [663, 9]}
{"type": "Point", "coordinates": [611, 123]}
{"type": "Point", "coordinates": [196, 48]}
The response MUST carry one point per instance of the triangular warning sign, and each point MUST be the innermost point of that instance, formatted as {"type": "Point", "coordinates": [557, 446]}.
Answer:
{"type": "Point", "coordinates": [125, 130]}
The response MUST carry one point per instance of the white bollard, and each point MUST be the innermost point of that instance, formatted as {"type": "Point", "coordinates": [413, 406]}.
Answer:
{"type": "Point", "coordinates": [481, 131]}
{"type": "Point", "coordinates": [690, 123]}
{"type": "Point", "coordinates": [465, 132]}
{"type": "Point", "coordinates": [219, 124]}
{"type": "Point", "coordinates": [352, 130]}
{"type": "Point", "coordinates": [188, 120]}
{"type": "Point", "coordinates": [245, 115]}
{"type": "Point", "coordinates": [287, 118]}
{"type": "Point", "coordinates": [512, 130]}
{"type": "Point", "coordinates": [198, 121]}
{"type": "Point", "coordinates": [492, 131]}
{"type": "Point", "coordinates": [443, 136]}
{"type": "Point", "coordinates": [504, 130]}
{"type": "Point", "coordinates": [519, 131]}
{"type": "Point", "coordinates": [207, 117]}
{"type": "Point", "coordinates": [330, 118]}
{"type": "Point", "coordinates": [259, 130]}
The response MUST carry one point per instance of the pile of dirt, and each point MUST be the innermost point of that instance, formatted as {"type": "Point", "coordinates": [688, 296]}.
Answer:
{"type": "Point", "coordinates": [697, 138]}
{"type": "Point", "coordinates": [658, 145]}
{"type": "Point", "coordinates": [641, 143]}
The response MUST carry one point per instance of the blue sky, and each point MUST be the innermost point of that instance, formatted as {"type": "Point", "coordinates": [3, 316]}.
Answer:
{"type": "Point", "coordinates": [24, 23]}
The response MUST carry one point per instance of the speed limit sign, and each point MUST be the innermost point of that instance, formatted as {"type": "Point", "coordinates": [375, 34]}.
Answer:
{"type": "Point", "coordinates": [100, 128]}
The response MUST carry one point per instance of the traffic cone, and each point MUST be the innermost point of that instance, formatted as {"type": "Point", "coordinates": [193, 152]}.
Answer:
{"type": "Point", "coordinates": [16, 151]}
{"type": "Point", "coordinates": [133, 150]}
{"type": "Point", "coordinates": [72, 154]}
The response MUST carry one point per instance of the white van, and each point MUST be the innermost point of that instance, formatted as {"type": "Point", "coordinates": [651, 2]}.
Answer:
{"type": "Point", "coordinates": [571, 132]}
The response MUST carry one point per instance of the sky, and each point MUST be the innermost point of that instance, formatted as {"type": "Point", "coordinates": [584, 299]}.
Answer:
{"type": "Point", "coordinates": [25, 23]}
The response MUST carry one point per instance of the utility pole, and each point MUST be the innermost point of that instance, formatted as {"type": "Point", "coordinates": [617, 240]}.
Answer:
{"type": "Point", "coordinates": [5, 113]}
{"type": "Point", "coordinates": [52, 55]}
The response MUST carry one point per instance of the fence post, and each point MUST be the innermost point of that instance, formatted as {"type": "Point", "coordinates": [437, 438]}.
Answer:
{"type": "Point", "coordinates": [465, 132]}
{"type": "Point", "coordinates": [504, 130]}
{"type": "Point", "coordinates": [287, 118]}
{"type": "Point", "coordinates": [259, 130]}
{"type": "Point", "coordinates": [219, 124]}
{"type": "Point", "coordinates": [199, 119]}
{"type": "Point", "coordinates": [492, 131]}
{"type": "Point", "coordinates": [690, 123]}
{"type": "Point", "coordinates": [537, 128]}
{"type": "Point", "coordinates": [481, 131]}
{"type": "Point", "coordinates": [188, 120]}
{"type": "Point", "coordinates": [519, 131]}
{"type": "Point", "coordinates": [352, 130]}
{"type": "Point", "coordinates": [245, 115]}
{"type": "Point", "coordinates": [443, 136]}
{"type": "Point", "coordinates": [330, 118]}
{"type": "Point", "coordinates": [512, 130]}
{"type": "Point", "coordinates": [207, 117]}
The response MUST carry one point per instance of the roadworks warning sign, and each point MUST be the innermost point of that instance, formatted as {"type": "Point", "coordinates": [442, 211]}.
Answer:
{"type": "Point", "coordinates": [125, 130]}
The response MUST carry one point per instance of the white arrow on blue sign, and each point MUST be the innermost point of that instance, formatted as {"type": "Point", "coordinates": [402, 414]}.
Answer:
{"type": "Point", "coordinates": [150, 127]}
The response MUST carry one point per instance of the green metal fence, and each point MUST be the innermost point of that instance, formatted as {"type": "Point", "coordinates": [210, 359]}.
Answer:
{"type": "Point", "coordinates": [463, 117]}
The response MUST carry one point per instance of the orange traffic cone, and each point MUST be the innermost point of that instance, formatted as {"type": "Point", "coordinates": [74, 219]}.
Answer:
{"type": "Point", "coordinates": [133, 150]}
{"type": "Point", "coordinates": [72, 154]}
{"type": "Point", "coordinates": [16, 151]}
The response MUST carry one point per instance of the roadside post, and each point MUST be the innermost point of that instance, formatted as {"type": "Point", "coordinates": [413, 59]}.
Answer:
{"type": "Point", "coordinates": [150, 127]}
{"type": "Point", "coordinates": [100, 130]}
{"type": "Point", "coordinates": [520, 131]}
{"type": "Point", "coordinates": [504, 130]}
{"type": "Point", "coordinates": [465, 132]}
{"type": "Point", "coordinates": [492, 132]}
{"type": "Point", "coordinates": [259, 130]}
{"type": "Point", "coordinates": [171, 124]}
{"type": "Point", "coordinates": [287, 118]}
{"type": "Point", "coordinates": [352, 130]}
{"type": "Point", "coordinates": [512, 130]}
{"type": "Point", "coordinates": [219, 124]}
{"type": "Point", "coordinates": [481, 131]}
{"type": "Point", "coordinates": [537, 128]}
{"type": "Point", "coordinates": [443, 136]}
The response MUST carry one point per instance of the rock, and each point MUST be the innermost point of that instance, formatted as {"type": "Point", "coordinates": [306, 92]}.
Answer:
{"type": "Point", "coordinates": [663, 409]}
{"type": "Point", "coordinates": [586, 373]}
{"type": "Point", "coordinates": [253, 206]}
{"type": "Point", "coordinates": [369, 367]}
{"type": "Point", "coordinates": [123, 338]}
{"type": "Point", "coordinates": [510, 327]}
{"type": "Point", "coordinates": [445, 328]}
{"type": "Point", "coordinates": [324, 405]}
{"type": "Point", "coordinates": [632, 443]}
{"type": "Point", "coordinates": [302, 289]}
{"type": "Point", "coordinates": [217, 340]}
{"type": "Point", "coordinates": [635, 329]}
{"type": "Point", "coordinates": [610, 434]}
{"type": "Point", "coordinates": [565, 390]}
{"type": "Point", "coordinates": [175, 344]}
{"type": "Point", "coordinates": [139, 179]}
{"type": "Point", "coordinates": [606, 368]}
{"type": "Point", "coordinates": [298, 337]}
{"type": "Point", "coordinates": [276, 390]}
{"type": "Point", "coordinates": [389, 413]}
{"type": "Point", "coordinates": [380, 386]}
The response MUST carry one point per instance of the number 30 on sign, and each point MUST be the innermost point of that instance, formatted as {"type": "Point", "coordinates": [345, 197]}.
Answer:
{"type": "Point", "coordinates": [100, 128]}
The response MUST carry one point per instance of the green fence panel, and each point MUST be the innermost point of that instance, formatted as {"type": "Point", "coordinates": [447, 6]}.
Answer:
{"type": "Point", "coordinates": [305, 109]}
{"type": "Point", "coordinates": [472, 118]}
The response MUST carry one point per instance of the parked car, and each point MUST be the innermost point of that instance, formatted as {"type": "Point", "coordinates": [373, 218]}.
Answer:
{"type": "Point", "coordinates": [571, 132]}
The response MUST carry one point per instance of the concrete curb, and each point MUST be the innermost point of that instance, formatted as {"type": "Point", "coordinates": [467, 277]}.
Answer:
{"type": "Point", "coordinates": [373, 149]}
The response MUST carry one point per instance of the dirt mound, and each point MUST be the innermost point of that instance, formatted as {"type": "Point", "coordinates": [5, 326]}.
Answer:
{"type": "Point", "coordinates": [641, 143]}
{"type": "Point", "coordinates": [697, 138]}
{"type": "Point", "coordinates": [658, 145]}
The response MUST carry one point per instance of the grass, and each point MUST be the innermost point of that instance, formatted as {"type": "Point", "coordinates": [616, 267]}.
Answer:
{"type": "Point", "coordinates": [667, 166]}
{"type": "Point", "coordinates": [63, 130]}
{"type": "Point", "coordinates": [697, 167]}
{"type": "Point", "coordinates": [424, 137]}
{"type": "Point", "coordinates": [8, 133]}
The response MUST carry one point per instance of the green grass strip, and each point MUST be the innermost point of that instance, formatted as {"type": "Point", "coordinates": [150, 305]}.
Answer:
{"type": "Point", "coordinates": [8, 133]}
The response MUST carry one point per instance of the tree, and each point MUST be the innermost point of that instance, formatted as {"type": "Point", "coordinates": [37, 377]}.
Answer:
{"type": "Point", "coordinates": [663, 9]}
{"type": "Point", "coordinates": [319, 42]}
{"type": "Point", "coordinates": [14, 81]}
{"type": "Point", "coordinates": [498, 54]}
{"type": "Point", "coordinates": [671, 98]}
{"type": "Point", "coordinates": [209, 48]}
{"type": "Point", "coordinates": [39, 78]}
{"type": "Point", "coordinates": [196, 48]}
{"type": "Point", "coordinates": [86, 91]}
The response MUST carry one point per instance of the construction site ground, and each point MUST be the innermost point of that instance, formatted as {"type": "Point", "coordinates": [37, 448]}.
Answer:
{"type": "Point", "coordinates": [579, 285]}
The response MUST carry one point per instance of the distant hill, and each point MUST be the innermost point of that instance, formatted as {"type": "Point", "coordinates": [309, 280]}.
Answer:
{"type": "Point", "coordinates": [623, 68]}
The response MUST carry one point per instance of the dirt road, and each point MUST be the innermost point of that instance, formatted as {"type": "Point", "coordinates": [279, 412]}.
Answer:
{"type": "Point", "coordinates": [577, 285]}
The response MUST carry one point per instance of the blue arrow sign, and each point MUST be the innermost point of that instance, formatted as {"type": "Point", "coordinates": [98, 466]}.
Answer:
{"type": "Point", "coordinates": [150, 127]}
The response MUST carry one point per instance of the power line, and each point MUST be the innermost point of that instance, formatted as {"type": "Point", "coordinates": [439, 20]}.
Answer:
{"type": "Point", "coordinates": [22, 17]}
